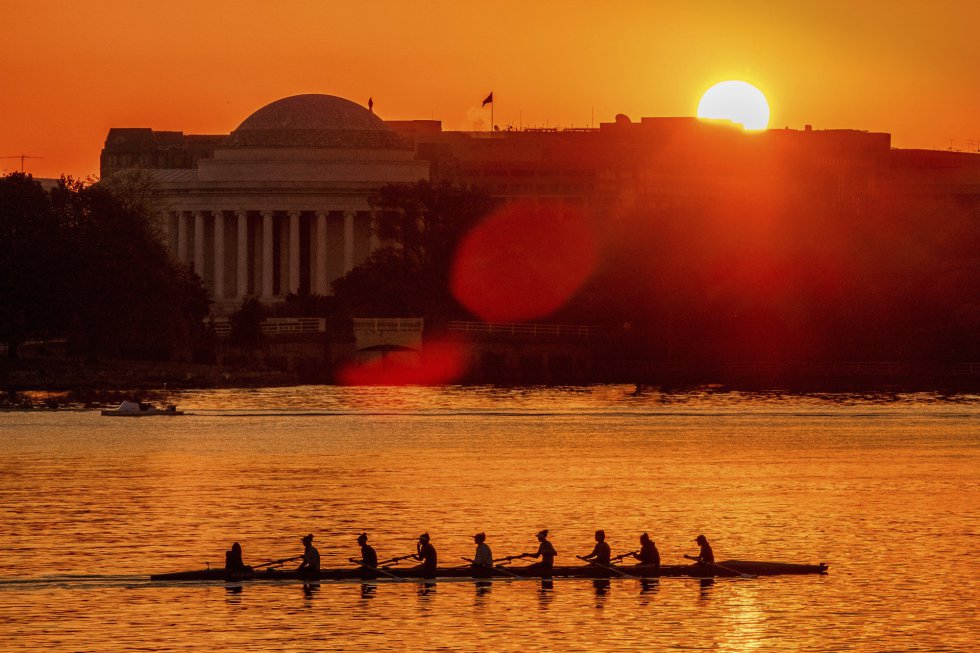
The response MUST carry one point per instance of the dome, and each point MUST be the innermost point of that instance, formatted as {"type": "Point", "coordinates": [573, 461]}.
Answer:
{"type": "Point", "coordinates": [313, 111]}
{"type": "Point", "coordinates": [315, 120]}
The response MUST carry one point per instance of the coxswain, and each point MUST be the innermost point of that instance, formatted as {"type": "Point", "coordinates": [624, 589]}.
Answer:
{"type": "Point", "coordinates": [483, 558]}
{"type": "Point", "coordinates": [600, 553]}
{"type": "Point", "coordinates": [426, 553]}
{"type": "Point", "coordinates": [234, 562]}
{"type": "Point", "coordinates": [310, 567]}
{"type": "Point", "coordinates": [706, 556]}
{"type": "Point", "coordinates": [546, 551]}
{"type": "Point", "coordinates": [647, 556]}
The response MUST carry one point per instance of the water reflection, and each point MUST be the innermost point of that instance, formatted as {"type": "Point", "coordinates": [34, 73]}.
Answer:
{"type": "Point", "coordinates": [368, 590]}
{"type": "Point", "coordinates": [233, 593]}
{"type": "Point", "coordinates": [649, 585]}
{"type": "Point", "coordinates": [601, 587]}
{"type": "Point", "coordinates": [483, 587]}
{"type": "Point", "coordinates": [546, 594]}
{"type": "Point", "coordinates": [427, 588]}
{"type": "Point", "coordinates": [310, 589]}
{"type": "Point", "coordinates": [706, 584]}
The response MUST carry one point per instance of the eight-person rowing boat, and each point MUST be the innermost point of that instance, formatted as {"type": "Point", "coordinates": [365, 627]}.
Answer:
{"type": "Point", "coordinates": [482, 566]}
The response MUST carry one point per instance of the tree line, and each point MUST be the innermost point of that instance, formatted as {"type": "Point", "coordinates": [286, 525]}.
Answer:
{"type": "Point", "coordinates": [83, 263]}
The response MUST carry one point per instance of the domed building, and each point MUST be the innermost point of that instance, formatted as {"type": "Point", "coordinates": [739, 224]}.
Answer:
{"type": "Point", "coordinates": [281, 204]}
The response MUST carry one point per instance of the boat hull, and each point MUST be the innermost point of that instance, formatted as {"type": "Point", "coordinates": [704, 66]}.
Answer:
{"type": "Point", "coordinates": [727, 568]}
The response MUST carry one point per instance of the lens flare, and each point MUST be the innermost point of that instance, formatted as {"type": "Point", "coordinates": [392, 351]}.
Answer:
{"type": "Point", "coordinates": [438, 363]}
{"type": "Point", "coordinates": [524, 261]}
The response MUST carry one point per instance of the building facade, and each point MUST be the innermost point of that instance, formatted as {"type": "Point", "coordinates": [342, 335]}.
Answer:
{"type": "Point", "coordinates": [282, 204]}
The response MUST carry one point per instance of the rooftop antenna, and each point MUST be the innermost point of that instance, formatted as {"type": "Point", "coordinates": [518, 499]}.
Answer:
{"type": "Point", "coordinates": [21, 157]}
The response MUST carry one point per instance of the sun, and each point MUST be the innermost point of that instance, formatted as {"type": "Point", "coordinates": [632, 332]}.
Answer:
{"type": "Point", "coordinates": [739, 102]}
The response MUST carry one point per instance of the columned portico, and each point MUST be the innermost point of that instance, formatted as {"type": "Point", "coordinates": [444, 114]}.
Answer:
{"type": "Point", "coordinates": [286, 251]}
{"type": "Point", "coordinates": [282, 204]}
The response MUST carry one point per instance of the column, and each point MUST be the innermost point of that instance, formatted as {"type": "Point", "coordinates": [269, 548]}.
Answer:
{"type": "Point", "coordinates": [348, 241]}
{"type": "Point", "coordinates": [182, 236]}
{"type": "Point", "coordinates": [267, 255]}
{"type": "Point", "coordinates": [294, 251]}
{"type": "Point", "coordinates": [219, 254]}
{"type": "Point", "coordinates": [199, 243]}
{"type": "Point", "coordinates": [321, 253]}
{"type": "Point", "coordinates": [375, 240]}
{"type": "Point", "coordinates": [241, 269]}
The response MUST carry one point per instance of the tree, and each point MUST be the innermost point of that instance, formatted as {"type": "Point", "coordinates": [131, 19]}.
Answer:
{"type": "Point", "coordinates": [127, 297]}
{"type": "Point", "coordinates": [32, 267]}
{"type": "Point", "coordinates": [246, 326]}
{"type": "Point", "coordinates": [423, 223]}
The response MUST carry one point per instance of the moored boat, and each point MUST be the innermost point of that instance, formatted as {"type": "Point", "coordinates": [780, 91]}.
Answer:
{"type": "Point", "coordinates": [727, 568]}
{"type": "Point", "coordinates": [134, 409]}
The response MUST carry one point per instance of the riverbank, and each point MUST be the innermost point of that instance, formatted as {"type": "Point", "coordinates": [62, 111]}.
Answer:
{"type": "Point", "coordinates": [40, 382]}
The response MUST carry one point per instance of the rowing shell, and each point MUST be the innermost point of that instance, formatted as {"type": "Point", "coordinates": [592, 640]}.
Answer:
{"type": "Point", "coordinates": [730, 568]}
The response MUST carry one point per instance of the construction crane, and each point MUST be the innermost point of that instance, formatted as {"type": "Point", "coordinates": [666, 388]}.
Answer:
{"type": "Point", "coordinates": [21, 157]}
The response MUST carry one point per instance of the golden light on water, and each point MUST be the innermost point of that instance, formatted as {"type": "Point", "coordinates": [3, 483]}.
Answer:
{"type": "Point", "coordinates": [737, 101]}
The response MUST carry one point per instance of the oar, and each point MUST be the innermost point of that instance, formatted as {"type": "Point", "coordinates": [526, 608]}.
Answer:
{"type": "Point", "coordinates": [509, 558]}
{"type": "Point", "coordinates": [395, 561]}
{"type": "Point", "coordinates": [380, 571]}
{"type": "Point", "coordinates": [738, 573]}
{"type": "Point", "coordinates": [612, 569]}
{"type": "Point", "coordinates": [500, 568]}
{"type": "Point", "coordinates": [624, 555]}
{"type": "Point", "coordinates": [276, 563]}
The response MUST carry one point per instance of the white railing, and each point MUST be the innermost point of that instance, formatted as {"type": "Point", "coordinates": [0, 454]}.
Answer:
{"type": "Point", "coordinates": [388, 324]}
{"type": "Point", "coordinates": [519, 329]}
{"type": "Point", "coordinates": [278, 326]}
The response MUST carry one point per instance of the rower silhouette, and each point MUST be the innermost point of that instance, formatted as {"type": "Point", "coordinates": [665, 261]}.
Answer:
{"type": "Point", "coordinates": [234, 564]}
{"type": "Point", "coordinates": [482, 561]}
{"type": "Point", "coordinates": [647, 556]}
{"type": "Point", "coordinates": [369, 558]}
{"type": "Point", "coordinates": [310, 567]}
{"type": "Point", "coordinates": [600, 552]}
{"type": "Point", "coordinates": [427, 554]}
{"type": "Point", "coordinates": [706, 556]}
{"type": "Point", "coordinates": [546, 551]}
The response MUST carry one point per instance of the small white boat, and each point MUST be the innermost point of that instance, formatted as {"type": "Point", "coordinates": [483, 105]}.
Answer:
{"type": "Point", "coordinates": [134, 409]}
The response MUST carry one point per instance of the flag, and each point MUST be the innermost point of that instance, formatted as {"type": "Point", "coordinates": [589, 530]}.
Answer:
{"type": "Point", "coordinates": [489, 100]}
{"type": "Point", "coordinates": [371, 104]}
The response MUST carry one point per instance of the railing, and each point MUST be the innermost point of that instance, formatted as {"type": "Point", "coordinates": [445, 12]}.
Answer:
{"type": "Point", "coordinates": [388, 324]}
{"type": "Point", "coordinates": [278, 326]}
{"type": "Point", "coordinates": [518, 329]}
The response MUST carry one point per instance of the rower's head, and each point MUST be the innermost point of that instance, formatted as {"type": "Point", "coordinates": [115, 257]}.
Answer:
{"type": "Point", "coordinates": [362, 539]}
{"type": "Point", "coordinates": [307, 539]}
{"type": "Point", "coordinates": [236, 548]}
{"type": "Point", "coordinates": [701, 539]}
{"type": "Point", "coordinates": [644, 538]}
{"type": "Point", "coordinates": [423, 538]}
{"type": "Point", "coordinates": [480, 538]}
{"type": "Point", "coordinates": [600, 536]}
{"type": "Point", "coordinates": [542, 535]}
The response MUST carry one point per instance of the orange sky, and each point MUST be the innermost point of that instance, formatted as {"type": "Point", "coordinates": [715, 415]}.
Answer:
{"type": "Point", "coordinates": [71, 70]}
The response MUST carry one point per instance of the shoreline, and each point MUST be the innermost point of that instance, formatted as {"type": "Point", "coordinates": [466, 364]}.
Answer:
{"type": "Point", "coordinates": [51, 383]}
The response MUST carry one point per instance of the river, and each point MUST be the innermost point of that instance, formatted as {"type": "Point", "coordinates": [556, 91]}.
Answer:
{"type": "Point", "coordinates": [885, 488]}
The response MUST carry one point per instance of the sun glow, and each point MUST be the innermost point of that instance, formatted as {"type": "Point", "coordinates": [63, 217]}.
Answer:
{"type": "Point", "coordinates": [739, 102]}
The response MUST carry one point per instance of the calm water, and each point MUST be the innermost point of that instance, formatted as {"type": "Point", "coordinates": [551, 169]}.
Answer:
{"type": "Point", "coordinates": [886, 489]}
